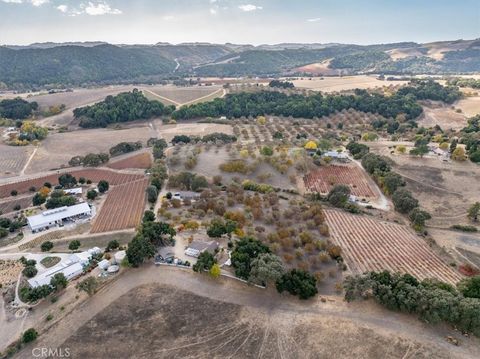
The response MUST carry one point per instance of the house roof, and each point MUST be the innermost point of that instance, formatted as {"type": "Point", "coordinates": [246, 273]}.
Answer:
{"type": "Point", "coordinates": [58, 214]}
{"type": "Point", "coordinates": [201, 246]}
{"type": "Point", "coordinates": [67, 268]}
{"type": "Point", "coordinates": [73, 190]}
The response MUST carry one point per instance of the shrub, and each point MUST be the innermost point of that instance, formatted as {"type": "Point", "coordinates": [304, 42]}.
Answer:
{"type": "Point", "coordinates": [29, 335]}
{"type": "Point", "coordinates": [46, 246]}
{"type": "Point", "coordinates": [74, 245]}
{"type": "Point", "coordinates": [298, 282]}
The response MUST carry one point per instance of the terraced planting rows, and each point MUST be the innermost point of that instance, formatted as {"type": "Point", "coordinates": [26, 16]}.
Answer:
{"type": "Point", "coordinates": [95, 175]}
{"type": "Point", "coordinates": [325, 178]}
{"type": "Point", "coordinates": [140, 160]}
{"type": "Point", "coordinates": [123, 207]}
{"type": "Point", "coordinates": [370, 245]}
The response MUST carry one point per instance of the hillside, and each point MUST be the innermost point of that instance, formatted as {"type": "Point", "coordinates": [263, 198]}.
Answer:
{"type": "Point", "coordinates": [84, 63]}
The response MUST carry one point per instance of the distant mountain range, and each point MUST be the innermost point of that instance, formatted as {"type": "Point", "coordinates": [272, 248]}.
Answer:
{"type": "Point", "coordinates": [80, 63]}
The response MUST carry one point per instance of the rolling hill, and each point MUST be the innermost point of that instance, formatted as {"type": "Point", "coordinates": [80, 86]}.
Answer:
{"type": "Point", "coordinates": [99, 63]}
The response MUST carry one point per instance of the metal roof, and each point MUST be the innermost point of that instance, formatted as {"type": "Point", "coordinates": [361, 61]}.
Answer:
{"type": "Point", "coordinates": [57, 214]}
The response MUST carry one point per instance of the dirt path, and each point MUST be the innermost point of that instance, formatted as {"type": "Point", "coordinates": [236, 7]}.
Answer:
{"type": "Point", "coordinates": [177, 104]}
{"type": "Point", "coordinates": [22, 172]}
{"type": "Point", "coordinates": [363, 314]}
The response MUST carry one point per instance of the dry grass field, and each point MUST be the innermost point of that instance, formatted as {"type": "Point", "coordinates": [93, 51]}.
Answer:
{"type": "Point", "coordinates": [166, 322]}
{"type": "Point", "coordinates": [9, 271]}
{"type": "Point", "coordinates": [370, 245]}
{"type": "Point", "coordinates": [58, 148]}
{"type": "Point", "coordinates": [445, 189]}
{"type": "Point", "coordinates": [7, 206]}
{"type": "Point", "coordinates": [470, 106]}
{"type": "Point", "coordinates": [190, 129]}
{"type": "Point", "coordinates": [178, 96]}
{"type": "Point", "coordinates": [325, 178]}
{"type": "Point", "coordinates": [443, 116]}
{"type": "Point", "coordinates": [336, 84]}
{"type": "Point", "coordinates": [13, 159]}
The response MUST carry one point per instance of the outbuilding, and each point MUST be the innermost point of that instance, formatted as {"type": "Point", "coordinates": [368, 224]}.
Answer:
{"type": "Point", "coordinates": [55, 217]}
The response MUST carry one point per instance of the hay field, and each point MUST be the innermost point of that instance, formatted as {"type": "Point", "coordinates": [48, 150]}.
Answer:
{"type": "Point", "coordinates": [335, 84]}
{"type": "Point", "coordinates": [58, 148]}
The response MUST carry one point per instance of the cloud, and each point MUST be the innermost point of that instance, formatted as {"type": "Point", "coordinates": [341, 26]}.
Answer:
{"type": "Point", "coordinates": [168, 17]}
{"type": "Point", "coordinates": [33, 2]}
{"type": "Point", "coordinates": [213, 11]}
{"type": "Point", "coordinates": [39, 2]}
{"type": "Point", "coordinates": [62, 8]}
{"type": "Point", "coordinates": [315, 19]}
{"type": "Point", "coordinates": [249, 7]}
{"type": "Point", "coordinates": [100, 8]}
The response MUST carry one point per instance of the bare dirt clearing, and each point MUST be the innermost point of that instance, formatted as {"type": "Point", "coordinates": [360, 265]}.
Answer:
{"type": "Point", "coordinates": [58, 148]}
{"type": "Point", "coordinates": [371, 245]}
{"type": "Point", "coordinates": [335, 84]}
{"type": "Point", "coordinates": [162, 321]}
{"type": "Point", "coordinates": [140, 160]}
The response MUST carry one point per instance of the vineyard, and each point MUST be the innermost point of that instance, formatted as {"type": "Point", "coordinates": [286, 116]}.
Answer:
{"type": "Point", "coordinates": [95, 175]}
{"type": "Point", "coordinates": [10, 205]}
{"type": "Point", "coordinates": [325, 178]}
{"type": "Point", "coordinates": [140, 160]}
{"type": "Point", "coordinates": [371, 245]}
{"type": "Point", "coordinates": [12, 159]}
{"type": "Point", "coordinates": [123, 207]}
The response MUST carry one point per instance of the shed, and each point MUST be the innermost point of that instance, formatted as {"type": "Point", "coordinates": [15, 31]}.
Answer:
{"type": "Point", "coordinates": [119, 256]}
{"type": "Point", "coordinates": [104, 264]}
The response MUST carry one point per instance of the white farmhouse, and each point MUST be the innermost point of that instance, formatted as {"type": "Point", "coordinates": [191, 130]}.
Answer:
{"type": "Point", "coordinates": [54, 217]}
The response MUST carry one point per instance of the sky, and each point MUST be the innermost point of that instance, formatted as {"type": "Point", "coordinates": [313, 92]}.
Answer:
{"type": "Point", "coordinates": [238, 21]}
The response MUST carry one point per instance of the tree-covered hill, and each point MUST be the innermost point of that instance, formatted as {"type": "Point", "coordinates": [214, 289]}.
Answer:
{"type": "Point", "coordinates": [126, 106]}
{"type": "Point", "coordinates": [77, 65]}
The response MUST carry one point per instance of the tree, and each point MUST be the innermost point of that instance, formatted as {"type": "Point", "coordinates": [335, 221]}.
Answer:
{"type": "Point", "coordinates": [418, 218]}
{"type": "Point", "coordinates": [420, 150]}
{"type": "Point", "coordinates": [218, 227]}
{"type": "Point", "coordinates": [139, 249]}
{"type": "Point", "coordinates": [205, 261]}
{"type": "Point", "coordinates": [372, 163]}
{"type": "Point", "coordinates": [298, 282]}
{"type": "Point", "coordinates": [199, 182]}
{"type": "Point", "coordinates": [29, 335]}
{"type": "Point", "coordinates": [266, 151]}
{"type": "Point", "coordinates": [245, 251]}
{"type": "Point", "coordinates": [58, 281]}
{"type": "Point", "coordinates": [92, 194]}
{"type": "Point", "coordinates": [215, 271]}
{"type": "Point", "coordinates": [158, 233]}
{"type": "Point", "coordinates": [148, 216]}
{"type": "Point", "coordinates": [152, 194]}
{"type": "Point", "coordinates": [474, 211]}
{"type": "Point", "coordinates": [266, 268]}
{"type": "Point", "coordinates": [67, 180]}
{"type": "Point", "coordinates": [74, 245]}
{"type": "Point", "coordinates": [46, 246]}
{"type": "Point", "coordinates": [112, 245]}
{"type": "Point", "coordinates": [404, 201]}
{"type": "Point", "coordinates": [357, 150]}
{"type": "Point", "coordinates": [29, 271]}
{"type": "Point", "coordinates": [392, 181]}
{"type": "Point", "coordinates": [470, 287]}
{"type": "Point", "coordinates": [338, 195]}
{"type": "Point", "coordinates": [88, 285]}
{"type": "Point", "coordinates": [38, 199]}
{"type": "Point", "coordinates": [459, 154]}
{"type": "Point", "coordinates": [103, 186]}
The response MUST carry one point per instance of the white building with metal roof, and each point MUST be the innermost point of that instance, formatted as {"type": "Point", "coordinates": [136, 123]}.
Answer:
{"type": "Point", "coordinates": [54, 217]}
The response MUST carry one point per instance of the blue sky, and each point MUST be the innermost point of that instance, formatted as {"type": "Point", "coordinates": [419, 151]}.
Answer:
{"type": "Point", "coordinates": [238, 21]}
